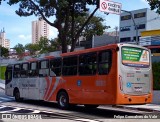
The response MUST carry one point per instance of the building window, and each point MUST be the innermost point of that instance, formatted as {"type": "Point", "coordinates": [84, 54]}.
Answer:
{"type": "Point", "coordinates": [127, 39]}
{"type": "Point", "coordinates": [127, 17]}
{"type": "Point", "coordinates": [134, 38]}
{"type": "Point", "coordinates": [139, 15]}
{"type": "Point", "coordinates": [126, 28]}
{"type": "Point", "coordinates": [141, 26]}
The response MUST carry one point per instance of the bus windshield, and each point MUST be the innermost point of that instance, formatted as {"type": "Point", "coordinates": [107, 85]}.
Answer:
{"type": "Point", "coordinates": [135, 57]}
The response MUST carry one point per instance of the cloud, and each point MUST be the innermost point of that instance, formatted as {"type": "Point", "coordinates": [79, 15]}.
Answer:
{"type": "Point", "coordinates": [24, 37]}
{"type": "Point", "coordinates": [53, 32]}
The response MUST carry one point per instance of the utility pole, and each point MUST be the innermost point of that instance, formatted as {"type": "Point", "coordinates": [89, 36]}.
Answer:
{"type": "Point", "coordinates": [116, 39]}
{"type": "Point", "coordinates": [134, 25]}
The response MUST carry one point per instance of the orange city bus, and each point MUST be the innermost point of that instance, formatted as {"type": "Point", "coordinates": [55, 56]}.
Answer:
{"type": "Point", "coordinates": [112, 74]}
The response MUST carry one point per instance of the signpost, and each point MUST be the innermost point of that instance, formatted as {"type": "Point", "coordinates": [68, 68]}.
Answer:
{"type": "Point", "coordinates": [110, 7]}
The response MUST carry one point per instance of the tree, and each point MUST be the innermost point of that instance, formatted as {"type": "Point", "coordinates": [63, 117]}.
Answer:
{"type": "Point", "coordinates": [19, 49]}
{"type": "Point", "coordinates": [94, 26]}
{"type": "Point", "coordinates": [32, 48]}
{"type": "Point", "coordinates": [4, 51]}
{"type": "Point", "coordinates": [55, 45]}
{"type": "Point", "coordinates": [43, 45]}
{"type": "Point", "coordinates": [62, 10]}
{"type": "Point", "coordinates": [154, 4]}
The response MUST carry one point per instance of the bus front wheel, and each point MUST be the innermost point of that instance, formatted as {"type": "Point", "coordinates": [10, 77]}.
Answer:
{"type": "Point", "coordinates": [17, 95]}
{"type": "Point", "coordinates": [63, 100]}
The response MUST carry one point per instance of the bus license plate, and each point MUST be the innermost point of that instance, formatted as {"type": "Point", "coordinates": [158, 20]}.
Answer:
{"type": "Point", "coordinates": [138, 89]}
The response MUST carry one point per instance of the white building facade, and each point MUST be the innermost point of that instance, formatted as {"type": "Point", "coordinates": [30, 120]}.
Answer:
{"type": "Point", "coordinates": [39, 29]}
{"type": "Point", "coordinates": [3, 41]}
{"type": "Point", "coordinates": [144, 19]}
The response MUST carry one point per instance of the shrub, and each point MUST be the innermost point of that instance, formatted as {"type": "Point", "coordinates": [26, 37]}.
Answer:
{"type": "Point", "coordinates": [156, 75]}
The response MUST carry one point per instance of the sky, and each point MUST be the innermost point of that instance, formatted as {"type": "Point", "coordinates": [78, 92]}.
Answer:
{"type": "Point", "coordinates": [18, 29]}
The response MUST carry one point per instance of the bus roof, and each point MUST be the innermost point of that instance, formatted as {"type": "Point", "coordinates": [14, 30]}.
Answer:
{"type": "Point", "coordinates": [111, 46]}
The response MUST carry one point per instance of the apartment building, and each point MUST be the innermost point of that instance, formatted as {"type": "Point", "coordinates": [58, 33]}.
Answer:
{"type": "Point", "coordinates": [3, 41]}
{"type": "Point", "coordinates": [39, 29]}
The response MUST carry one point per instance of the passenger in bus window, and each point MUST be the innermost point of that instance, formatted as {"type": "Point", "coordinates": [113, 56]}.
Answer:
{"type": "Point", "coordinates": [103, 68]}
{"type": "Point", "coordinates": [94, 68]}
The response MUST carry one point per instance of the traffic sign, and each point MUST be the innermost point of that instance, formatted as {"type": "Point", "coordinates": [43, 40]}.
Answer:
{"type": "Point", "coordinates": [110, 7]}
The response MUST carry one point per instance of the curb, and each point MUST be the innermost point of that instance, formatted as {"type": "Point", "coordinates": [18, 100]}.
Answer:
{"type": "Point", "coordinates": [139, 109]}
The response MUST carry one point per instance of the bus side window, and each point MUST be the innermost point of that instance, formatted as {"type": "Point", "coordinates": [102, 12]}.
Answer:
{"type": "Point", "coordinates": [69, 66]}
{"type": "Point", "coordinates": [55, 67]}
{"type": "Point", "coordinates": [88, 64]}
{"type": "Point", "coordinates": [43, 68]}
{"type": "Point", "coordinates": [24, 70]}
{"type": "Point", "coordinates": [16, 73]}
{"type": "Point", "coordinates": [33, 69]}
{"type": "Point", "coordinates": [104, 62]}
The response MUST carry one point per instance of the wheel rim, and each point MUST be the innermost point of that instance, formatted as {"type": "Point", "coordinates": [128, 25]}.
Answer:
{"type": "Point", "coordinates": [62, 101]}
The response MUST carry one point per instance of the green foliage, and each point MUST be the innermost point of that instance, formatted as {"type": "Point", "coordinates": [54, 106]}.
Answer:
{"type": "Point", "coordinates": [19, 49]}
{"type": "Point", "coordinates": [156, 75]}
{"type": "Point", "coordinates": [94, 27]}
{"type": "Point", "coordinates": [43, 45]}
{"type": "Point", "coordinates": [154, 4]}
{"type": "Point", "coordinates": [4, 51]}
{"type": "Point", "coordinates": [2, 72]}
{"type": "Point", "coordinates": [32, 48]}
{"type": "Point", "coordinates": [55, 45]}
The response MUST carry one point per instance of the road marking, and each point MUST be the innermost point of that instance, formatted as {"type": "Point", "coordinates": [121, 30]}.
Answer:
{"type": "Point", "coordinates": [4, 98]}
{"type": "Point", "coordinates": [36, 111]}
{"type": "Point", "coordinates": [86, 120]}
{"type": "Point", "coordinates": [16, 109]}
{"type": "Point", "coordinates": [2, 106]}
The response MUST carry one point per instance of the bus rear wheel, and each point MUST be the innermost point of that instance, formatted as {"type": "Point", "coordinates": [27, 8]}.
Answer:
{"type": "Point", "coordinates": [63, 100]}
{"type": "Point", "coordinates": [17, 95]}
{"type": "Point", "coordinates": [91, 106]}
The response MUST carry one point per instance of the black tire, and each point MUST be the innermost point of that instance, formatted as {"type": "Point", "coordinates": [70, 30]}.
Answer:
{"type": "Point", "coordinates": [63, 100]}
{"type": "Point", "coordinates": [17, 95]}
{"type": "Point", "coordinates": [90, 106]}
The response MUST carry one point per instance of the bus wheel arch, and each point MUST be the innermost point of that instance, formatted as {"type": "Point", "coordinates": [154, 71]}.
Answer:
{"type": "Point", "coordinates": [16, 94]}
{"type": "Point", "coordinates": [63, 99]}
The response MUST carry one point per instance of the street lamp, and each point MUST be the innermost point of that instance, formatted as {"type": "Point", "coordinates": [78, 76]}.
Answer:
{"type": "Point", "coordinates": [134, 24]}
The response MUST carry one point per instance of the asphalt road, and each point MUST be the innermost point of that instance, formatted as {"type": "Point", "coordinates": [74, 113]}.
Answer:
{"type": "Point", "coordinates": [50, 111]}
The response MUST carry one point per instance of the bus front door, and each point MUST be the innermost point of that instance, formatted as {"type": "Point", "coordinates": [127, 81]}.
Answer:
{"type": "Point", "coordinates": [8, 83]}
